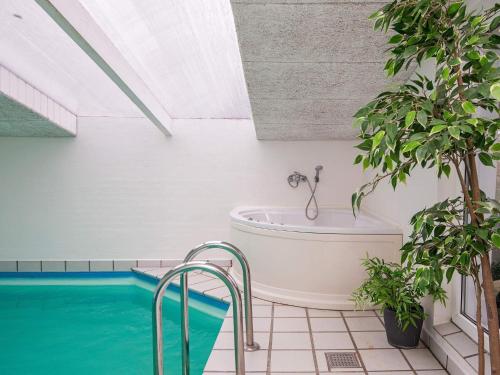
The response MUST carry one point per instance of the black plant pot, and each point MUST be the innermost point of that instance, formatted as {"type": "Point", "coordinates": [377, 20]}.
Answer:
{"type": "Point", "coordinates": [395, 334]}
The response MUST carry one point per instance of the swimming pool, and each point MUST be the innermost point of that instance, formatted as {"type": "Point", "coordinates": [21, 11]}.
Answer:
{"type": "Point", "coordinates": [96, 323]}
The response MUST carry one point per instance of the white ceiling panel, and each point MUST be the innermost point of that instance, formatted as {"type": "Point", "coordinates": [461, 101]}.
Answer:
{"type": "Point", "coordinates": [33, 46]}
{"type": "Point", "coordinates": [185, 51]}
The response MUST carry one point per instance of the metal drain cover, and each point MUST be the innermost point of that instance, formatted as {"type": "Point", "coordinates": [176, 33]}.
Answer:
{"type": "Point", "coordinates": [342, 360]}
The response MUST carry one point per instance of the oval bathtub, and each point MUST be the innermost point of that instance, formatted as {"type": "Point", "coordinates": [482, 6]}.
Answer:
{"type": "Point", "coordinates": [310, 263]}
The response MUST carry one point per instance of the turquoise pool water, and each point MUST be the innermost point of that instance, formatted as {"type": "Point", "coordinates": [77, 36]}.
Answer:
{"type": "Point", "coordinates": [96, 325]}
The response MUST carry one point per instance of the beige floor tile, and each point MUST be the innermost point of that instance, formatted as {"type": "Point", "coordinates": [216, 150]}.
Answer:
{"type": "Point", "coordinates": [371, 340]}
{"type": "Point", "coordinates": [383, 360]}
{"type": "Point", "coordinates": [291, 340]}
{"type": "Point", "coordinates": [218, 293]}
{"type": "Point", "coordinates": [225, 340]}
{"type": "Point", "coordinates": [328, 325]}
{"type": "Point", "coordinates": [258, 301]}
{"type": "Point", "coordinates": [259, 325]}
{"type": "Point", "coordinates": [432, 372]}
{"type": "Point", "coordinates": [290, 325]}
{"type": "Point", "coordinates": [207, 285]}
{"type": "Point", "coordinates": [332, 340]}
{"type": "Point", "coordinates": [198, 278]}
{"type": "Point", "coordinates": [316, 313]}
{"type": "Point", "coordinates": [422, 359]}
{"type": "Point", "coordinates": [223, 360]}
{"type": "Point", "coordinates": [364, 324]}
{"type": "Point", "coordinates": [259, 311]}
{"type": "Point", "coordinates": [282, 311]}
{"type": "Point", "coordinates": [292, 360]}
{"type": "Point", "coordinates": [358, 313]}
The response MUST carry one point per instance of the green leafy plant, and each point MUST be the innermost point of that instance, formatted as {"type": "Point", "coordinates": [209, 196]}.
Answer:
{"type": "Point", "coordinates": [391, 286]}
{"type": "Point", "coordinates": [447, 120]}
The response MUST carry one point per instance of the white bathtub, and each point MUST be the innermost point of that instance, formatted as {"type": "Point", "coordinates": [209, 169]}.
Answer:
{"type": "Point", "coordinates": [310, 263]}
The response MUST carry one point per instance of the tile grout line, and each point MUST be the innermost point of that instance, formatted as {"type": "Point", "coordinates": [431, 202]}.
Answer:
{"type": "Point", "coordinates": [270, 347]}
{"type": "Point", "coordinates": [353, 342]}
{"type": "Point", "coordinates": [315, 359]}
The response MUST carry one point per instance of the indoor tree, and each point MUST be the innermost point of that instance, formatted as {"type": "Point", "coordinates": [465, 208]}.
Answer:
{"type": "Point", "coordinates": [446, 120]}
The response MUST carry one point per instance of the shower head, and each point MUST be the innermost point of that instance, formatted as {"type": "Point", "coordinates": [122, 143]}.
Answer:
{"type": "Point", "coordinates": [318, 169]}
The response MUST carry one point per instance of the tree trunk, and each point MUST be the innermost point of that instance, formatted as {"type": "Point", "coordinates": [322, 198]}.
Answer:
{"type": "Point", "coordinates": [492, 314]}
{"type": "Point", "coordinates": [479, 326]}
{"type": "Point", "coordinates": [487, 285]}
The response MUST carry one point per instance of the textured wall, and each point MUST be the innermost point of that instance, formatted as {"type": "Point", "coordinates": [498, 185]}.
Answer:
{"type": "Point", "coordinates": [123, 190]}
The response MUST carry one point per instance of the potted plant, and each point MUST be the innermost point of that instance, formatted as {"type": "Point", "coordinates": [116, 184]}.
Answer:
{"type": "Point", "coordinates": [446, 118]}
{"type": "Point", "coordinates": [393, 288]}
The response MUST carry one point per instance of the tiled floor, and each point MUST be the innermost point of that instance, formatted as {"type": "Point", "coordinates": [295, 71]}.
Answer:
{"type": "Point", "coordinates": [294, 340]}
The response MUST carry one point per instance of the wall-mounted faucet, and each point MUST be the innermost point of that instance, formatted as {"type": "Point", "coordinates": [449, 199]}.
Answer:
{"type": "Point", "coordinates": [296, 178]}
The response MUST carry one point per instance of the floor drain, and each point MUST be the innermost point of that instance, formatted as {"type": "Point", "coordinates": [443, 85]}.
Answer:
{"type": "Point", "coordinates": [341, 360]}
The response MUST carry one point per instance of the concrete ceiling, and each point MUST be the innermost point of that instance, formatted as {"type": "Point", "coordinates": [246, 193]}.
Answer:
{"type": "Point", "coordinates": [309, 65]}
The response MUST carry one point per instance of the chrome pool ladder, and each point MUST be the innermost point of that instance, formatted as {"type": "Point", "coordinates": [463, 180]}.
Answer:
{"type": "Point", "coordinates": [182, 270]}
{"type": "Point", "coordinates": [250, 344]}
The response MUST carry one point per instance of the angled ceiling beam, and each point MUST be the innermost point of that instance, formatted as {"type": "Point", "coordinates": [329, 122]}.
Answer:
{"type": "Point", "coordinates": [79, 25]}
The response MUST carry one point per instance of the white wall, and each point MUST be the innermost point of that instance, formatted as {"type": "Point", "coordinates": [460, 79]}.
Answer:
{"type": "Point", "coordinates": [121, 189]}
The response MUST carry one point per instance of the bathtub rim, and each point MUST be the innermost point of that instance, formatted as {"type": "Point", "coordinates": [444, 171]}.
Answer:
{"type": "Point", "coordinates": [388, 228]}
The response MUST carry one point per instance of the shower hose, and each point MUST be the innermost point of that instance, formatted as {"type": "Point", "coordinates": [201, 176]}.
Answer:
{"type": "Point", "coordinates": [294, 183]}
{"type": "Point", "coordinates": [312, 199]}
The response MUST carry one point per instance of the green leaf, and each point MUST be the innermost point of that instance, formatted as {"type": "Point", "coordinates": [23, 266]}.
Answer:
{"type": "Point", "coordinates": [449, 273]}
{"type": "Point", "coordinates": [455, 62]}
{"type": "Point", "coordinates": [453, 9]}
{"type": "Point", "coordinates": [377, 139]}
{"type": "Point", "coordinates": [396, 39]}
{"type": "Point", "coordinates": [495, 91]}
{"type": "Point", "coordinates": [388, 162]}
{"type": "Point", "coordinates": [437, 129]}
{"type": "Point", "coordinates": [358, 159]}
{"type": "Point", "coordinates": [486, 159]}
{"type": "Point", "coordinates": [454, 131]}
{"type": "Point", "coordinates": [410, 118]}
{"type": "Point", "coordinates": [366, 163]}
{"type": "Point", "coordinates": [357, 122]}
{"type": "Point", "coordinates": [445, 74]}
{"type": "Point", "coordinates": [410, 146]}
{"type": "Point", "coordinates": [446, 169]}
{"type": "Point", "coordinates": [495, 23]}
{"type": "Point", "coordinates": [473, 55]}
{"type": "Point", "coordinates": [495, 238]}
{"type": "Point", "coordinates": [476, 21]}
{"type": "Point", "coordinates": [439, 230]}
{"type": "Point", "coordinates": [468, 107]}
{"type": "Point", "coordinates": [422, 118]}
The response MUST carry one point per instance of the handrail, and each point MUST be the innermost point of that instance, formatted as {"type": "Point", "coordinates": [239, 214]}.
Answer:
{"type": "Point", "coordinates": [251, 345]}
{"type": "Point", "coordinates": [183, 269]}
